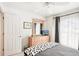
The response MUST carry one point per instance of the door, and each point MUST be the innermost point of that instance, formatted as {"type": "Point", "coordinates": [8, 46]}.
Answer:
{"type": "Point", "coordinates": [12, 37]}
{"type": "Point", "coordinates": [69, 30]}
{"type": "Point", "coordinates": [1, 34]}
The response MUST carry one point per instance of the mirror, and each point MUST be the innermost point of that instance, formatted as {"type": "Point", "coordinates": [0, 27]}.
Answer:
{"type": "Point", "coordinates": [37, 27]}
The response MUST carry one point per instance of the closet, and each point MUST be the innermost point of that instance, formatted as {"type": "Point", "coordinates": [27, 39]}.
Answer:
{"type": "Point", "coordinates": [69, 30]}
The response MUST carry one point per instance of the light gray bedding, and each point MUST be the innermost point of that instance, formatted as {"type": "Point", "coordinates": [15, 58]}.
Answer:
{"type": "Point", "coordinates": [59, 51]}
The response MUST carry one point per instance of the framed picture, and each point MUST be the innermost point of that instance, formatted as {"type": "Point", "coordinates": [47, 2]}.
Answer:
{"type": "Point", "coordinates": [27, 25]}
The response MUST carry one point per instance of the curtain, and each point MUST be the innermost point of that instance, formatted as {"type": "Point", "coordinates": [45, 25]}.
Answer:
{"type": "Point", "coordinates": [69, 30]}
{"type": "Point", "coordinates": [57, 20]}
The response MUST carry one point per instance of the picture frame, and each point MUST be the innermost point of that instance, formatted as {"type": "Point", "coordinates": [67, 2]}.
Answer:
{"type": "Point", "coordinates": [27, 25]}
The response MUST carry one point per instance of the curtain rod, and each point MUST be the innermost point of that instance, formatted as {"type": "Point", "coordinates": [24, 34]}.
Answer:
{"type": "Point", "coordinates": [69, 14]}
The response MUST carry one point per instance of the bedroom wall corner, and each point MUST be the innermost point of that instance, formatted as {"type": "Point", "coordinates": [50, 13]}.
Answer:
{"type": "Point", "coordinates": [51, 27]}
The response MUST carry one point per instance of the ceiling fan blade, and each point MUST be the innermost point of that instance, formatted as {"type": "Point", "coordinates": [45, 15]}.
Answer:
{"type": "Point", "coordinates": [56, 3]}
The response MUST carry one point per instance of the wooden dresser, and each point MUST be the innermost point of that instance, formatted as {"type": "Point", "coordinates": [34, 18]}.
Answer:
{"type": "Point", "coordinates": [37, 39]}
{"type": "Point", "coordinates": [37, 36]}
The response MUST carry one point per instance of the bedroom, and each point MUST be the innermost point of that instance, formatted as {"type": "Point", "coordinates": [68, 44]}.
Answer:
{"type": "Point", "coordinates": [28, 24]}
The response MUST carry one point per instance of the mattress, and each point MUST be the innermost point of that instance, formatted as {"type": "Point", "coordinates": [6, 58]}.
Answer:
{"type": "Point", "coordinates": [59, 51]}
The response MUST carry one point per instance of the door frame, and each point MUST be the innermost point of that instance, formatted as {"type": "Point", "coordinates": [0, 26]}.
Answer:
{"type": "Point", "coordinates": [2, 33]}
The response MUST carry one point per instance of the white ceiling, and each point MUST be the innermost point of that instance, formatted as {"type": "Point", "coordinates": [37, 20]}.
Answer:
{"type": "Point", "coordinates": [40, 8]}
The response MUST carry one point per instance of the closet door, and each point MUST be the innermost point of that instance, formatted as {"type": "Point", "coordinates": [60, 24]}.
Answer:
{"type": "Point", "coordinates": [12, 37]}
{"type": "Point", "coordinates": [69, 30]}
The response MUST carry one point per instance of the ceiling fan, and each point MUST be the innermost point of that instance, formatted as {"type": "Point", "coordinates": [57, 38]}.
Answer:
{"type": "Point", "coordinates": [56, 3]}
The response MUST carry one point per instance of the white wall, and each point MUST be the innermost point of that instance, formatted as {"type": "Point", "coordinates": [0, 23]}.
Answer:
{"type": "Point", "coordinates": [15, 37]}
{"type": "Point", "coordinates": [51, 27]}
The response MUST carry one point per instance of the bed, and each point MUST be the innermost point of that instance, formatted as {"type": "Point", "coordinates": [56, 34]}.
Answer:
{"type": "Point", "coordinates": [50, 49]}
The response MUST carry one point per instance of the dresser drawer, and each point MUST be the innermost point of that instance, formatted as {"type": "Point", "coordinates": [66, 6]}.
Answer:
{"type": "Point", "coordinates": [38, 40]}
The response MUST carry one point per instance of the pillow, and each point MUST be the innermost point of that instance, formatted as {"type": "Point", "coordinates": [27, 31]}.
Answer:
{"type": "Point", "coordinates": [32, 51]}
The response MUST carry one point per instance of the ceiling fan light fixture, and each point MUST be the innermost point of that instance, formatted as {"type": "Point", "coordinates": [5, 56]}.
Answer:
{"type": "Point", "coordinates": [56, 3]}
